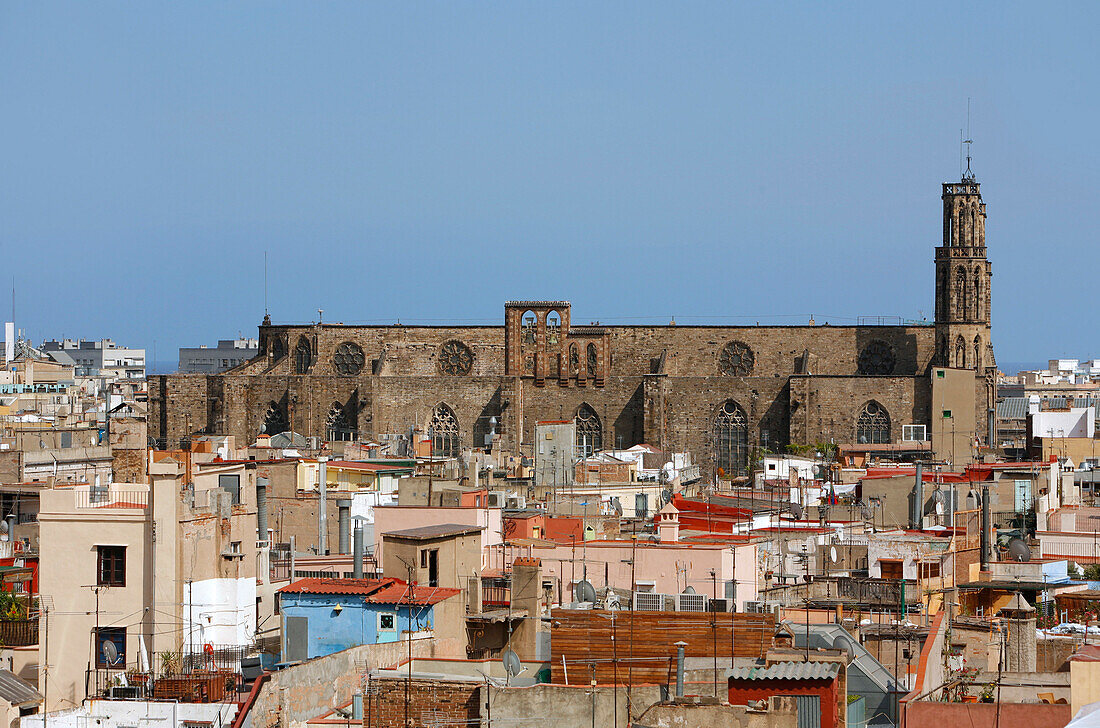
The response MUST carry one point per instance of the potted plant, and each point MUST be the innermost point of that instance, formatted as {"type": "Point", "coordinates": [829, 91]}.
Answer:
{"type": "Point", "coordinates": [987, 693]}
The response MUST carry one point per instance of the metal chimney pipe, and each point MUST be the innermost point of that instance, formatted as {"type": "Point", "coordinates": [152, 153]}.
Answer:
{"type": "Point", "coordinates": [357, 553]}
{"type": "Point", "coordinates": [986, 546]}
{"type": "Point", "coordinates": [680, 668]}
{"type": "Point", "coordinates": [261, 507]}
{"type": "Point", "coordinates": [918, 498]}
{"type": "Point", "coordinates": [344, 509]}
{"type": "Point", "coordinates": [322, 506]}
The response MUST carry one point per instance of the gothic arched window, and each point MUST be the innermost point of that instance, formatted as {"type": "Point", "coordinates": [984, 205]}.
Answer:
{"type": "Point", "coordinates": [977, 352]}
{"type": "Point", "coordinates": [589, 430]}
{"type": "Point", "coordinates": [443, 429]}
{"type": "Point", "coordinates": [978, 295]}
{"type": "Point", "coordinates": [593, 360]}
{"type": "Point", "coordinates": [341, 424]}
{"type": "Point", "coordinates": [303, 356]}
{"type": "Point", "coordinates": [278, 347]}
{"type": "Point", "coordinates": [731, 440]}
{"type": "Point", "coordinates": [961, 303]}
{"type": "Point", "coordinates": [960, 353]}
{"type": "Point", "coordinates": [275, 420]}
{"type": "Point", "coordinates": [873, 425]}
{"type": "Point", "coordinates": [574, 359]}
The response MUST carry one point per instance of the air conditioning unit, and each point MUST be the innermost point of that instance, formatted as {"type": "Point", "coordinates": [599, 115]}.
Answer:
{"type": "Point", "coordinates": [127, 692]}
{"type": "Point", "coordinates": [718, 605]}
{"type": "Point", "coordinates": [496, 500]}
{"type": "Point", "coordinates": [516, 502]}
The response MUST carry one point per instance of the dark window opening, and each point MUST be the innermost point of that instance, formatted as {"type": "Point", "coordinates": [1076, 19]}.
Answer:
{"type": "Point", "coordinates": [111, 566]}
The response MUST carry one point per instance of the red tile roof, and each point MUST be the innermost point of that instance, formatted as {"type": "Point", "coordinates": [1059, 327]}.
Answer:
{"type": "Point", "coordinates": [375, 591]}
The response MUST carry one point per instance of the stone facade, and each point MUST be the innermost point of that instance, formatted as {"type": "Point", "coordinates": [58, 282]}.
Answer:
{"type": "Point", "coordinates": [675, 387]}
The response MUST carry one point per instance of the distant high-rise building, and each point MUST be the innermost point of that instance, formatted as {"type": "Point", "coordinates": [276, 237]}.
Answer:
{"type": "Point", "coordinates": [98, 358]}
{"type": "Point", "coordinates": [228, 354]}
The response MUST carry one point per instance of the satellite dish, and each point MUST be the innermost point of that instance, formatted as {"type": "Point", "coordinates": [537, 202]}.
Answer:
{"type": "Point", "coordinates": [796, 511]}
{"type": "Point", "coordinates": [3, 527]}
{"type": "Point", "coordinates": [1018, 549]}
{"type": "Point", "coordinates": [110, 652]}
{"type": "Point", "coordinates": [689, 590]}
{"type": "Point", "coordinates": [618, 506]}
{"type": "Point", "coordinates": [584, 591]}
{"type": "Point", "coordinates": [666, 496]}
{"type": "Point", "coordinates": [512, 665]}
{"type": "Point", "coordinates": [832, 554]}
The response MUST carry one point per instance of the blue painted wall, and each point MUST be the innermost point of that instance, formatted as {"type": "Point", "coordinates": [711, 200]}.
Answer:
{"type": "Point", "coordinates": [356, 624]}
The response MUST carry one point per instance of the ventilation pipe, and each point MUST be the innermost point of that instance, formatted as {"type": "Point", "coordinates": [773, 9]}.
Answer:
{"type": "Point", "coordinates": [916, 516]}
{"type": "Point", "coordinates": [322, 506]}
{"type": "Point", "coordinates": [680, 668]}
{"type": "Point", "coordinates": [986, 546]}
{"type": "Point", "coordinates": [261, 507]}
{"type": "Point", "coordinates": [357, 553]}
{"type": "Point", "coordinates": [344, 508]}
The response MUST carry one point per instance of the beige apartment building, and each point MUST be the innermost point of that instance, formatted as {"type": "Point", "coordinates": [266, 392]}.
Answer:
{"type": "Point", "coordinates": [168, 574]}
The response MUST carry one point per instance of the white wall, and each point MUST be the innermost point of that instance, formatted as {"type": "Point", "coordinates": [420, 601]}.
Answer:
{"type": "Point", "coordinates": [118, 713]}
{"type": "Point", "coordinates": [223, 612]}
{"type": "Point", "coordinates": [1075, 422]}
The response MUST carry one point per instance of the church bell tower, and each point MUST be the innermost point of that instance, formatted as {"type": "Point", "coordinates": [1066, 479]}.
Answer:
{"type": "Point", "coordinates": [963, 276]}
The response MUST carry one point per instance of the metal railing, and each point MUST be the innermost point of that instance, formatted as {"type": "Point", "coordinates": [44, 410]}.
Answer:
{"type": "Point", "coordinates": [110, 498]}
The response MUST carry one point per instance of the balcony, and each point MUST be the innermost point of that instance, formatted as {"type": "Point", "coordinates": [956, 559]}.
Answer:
{"type": "Point", "coordinates": [92, 497]}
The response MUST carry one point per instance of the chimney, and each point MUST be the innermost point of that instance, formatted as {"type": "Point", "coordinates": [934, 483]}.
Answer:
{"type": "Point", "coordinates": [322, 506]}
{"type": "Point", "coordinates": [343, 507]}
{"type": "Point", "coordinates": [1019, 643]}
{"type": "Point", "coordinates": [668, 524]}
{"type": "Point", "coordinates": [680, 668]}
{"type": "Point", "coordinates": [357, 553]}
{"type": "Point", "coordinates": [527, 595]}
{"type": "Point", "coordinates": [916, 519]}
{"type": "Point", "coordinates": [261, 508]}
{"type": "Point", "coordinates": [986, 546]}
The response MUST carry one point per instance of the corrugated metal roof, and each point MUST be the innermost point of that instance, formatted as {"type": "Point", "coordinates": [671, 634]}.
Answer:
{"type": "Point", "coordinates": [1012, 408]}
{"type": "Point", "coordinates": [441, 530]}
{"type": "Point", "coordinates": [16, 691]}
{"type": "Point", "coordinates": [788, 671]}
{"type": "Point", "coordinates": [375, 591]}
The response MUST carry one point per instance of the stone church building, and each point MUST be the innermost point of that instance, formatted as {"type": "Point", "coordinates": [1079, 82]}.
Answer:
{"type": "Point", "coordinates": [719, 392]}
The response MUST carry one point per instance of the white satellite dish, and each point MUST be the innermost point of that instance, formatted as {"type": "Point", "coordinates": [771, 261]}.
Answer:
{"type": "Point", "coordinates": [110, 652]}
{"type": "Point", "coordinates": [832, 554]}
{"type": "Point", "coordinates": [511, 662]}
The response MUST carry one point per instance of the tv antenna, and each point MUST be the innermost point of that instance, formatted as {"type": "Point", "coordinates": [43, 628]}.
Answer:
{"type": "Point", "coordinates": [968, 175]}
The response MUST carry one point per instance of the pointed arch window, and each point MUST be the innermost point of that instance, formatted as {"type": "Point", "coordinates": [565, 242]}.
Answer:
{"type": "Point", "coordinates": [443, 429]}
{"type": "Point", "coordinates": [961, 302]}
{"type": "Point", "coordinates": [303, 356]}
{"type": "Point", "coordinates": [977, 295]}
{"type": "Point", "coordinates": [275, 420]}
{"type": "Point", "coordinates": [873, 425]}
{"type": "Point", "coordinates": [977, 352]}
{"type": "Point", "coordinates": [341, 424]}
{"type": "Point", "coordinates": [589, 430]}
{"type": "Point", "coordinates": [278, 348]}
{"type": "Point", "coordinates": [960, 353]}
{"type": "Point", "coordinates": [731, 440]}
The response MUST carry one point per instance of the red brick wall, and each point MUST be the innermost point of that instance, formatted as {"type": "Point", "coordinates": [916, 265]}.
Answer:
{"type": "Point", "coordinates": [933, 714]}
{"type": "Point", "coordinates": [742, 691]}
{"type": "Point", "coordinates": [430, 703]}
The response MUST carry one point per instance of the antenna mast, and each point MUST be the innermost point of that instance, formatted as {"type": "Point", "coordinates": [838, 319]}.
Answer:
{"type": "Point", "coordinates": [968, 175]}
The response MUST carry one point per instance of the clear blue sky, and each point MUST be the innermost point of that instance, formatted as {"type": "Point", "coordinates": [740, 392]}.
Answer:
{"type": "Point", "coordinates": [429, 161]}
